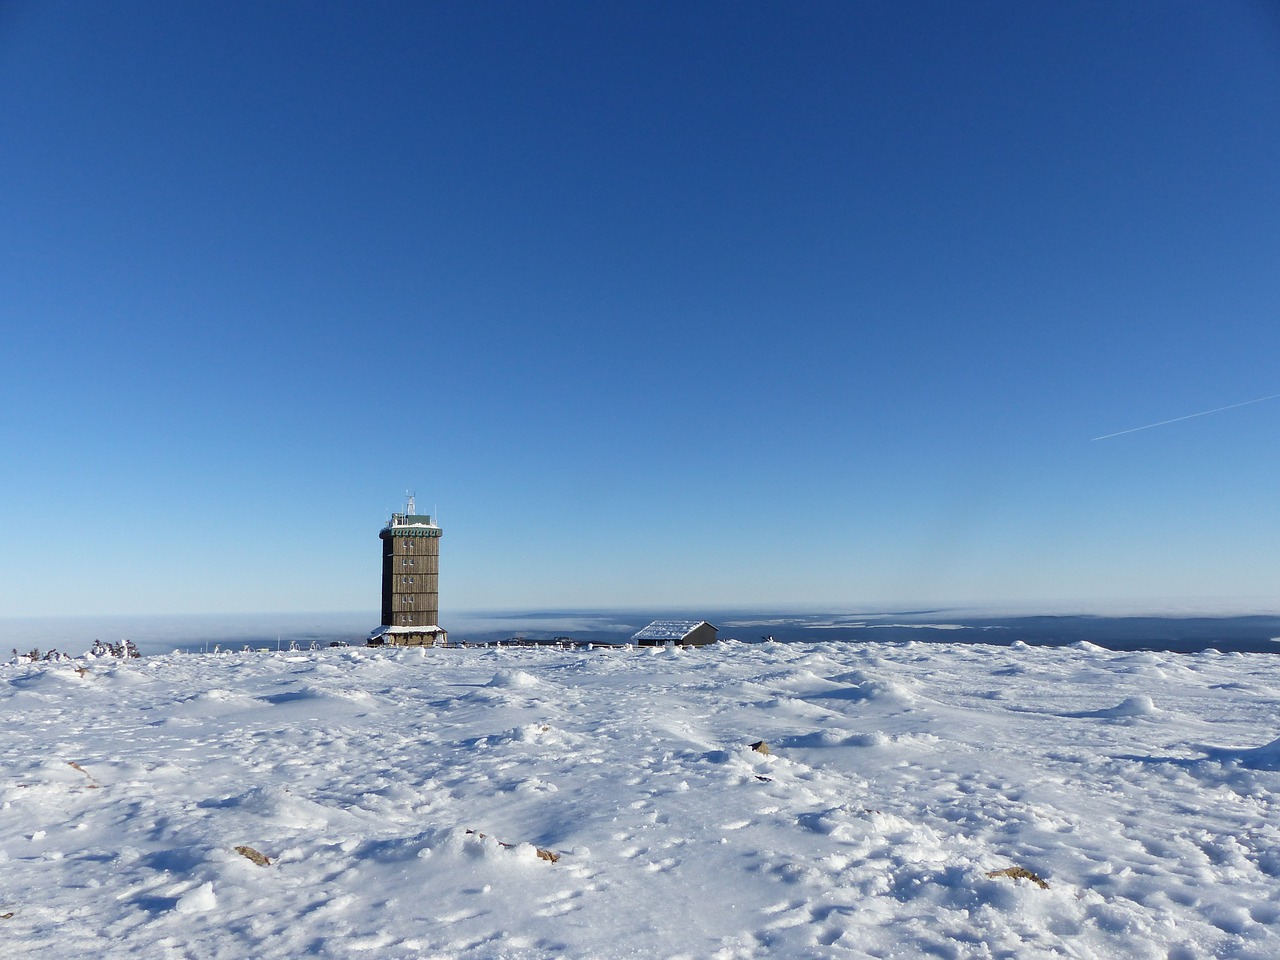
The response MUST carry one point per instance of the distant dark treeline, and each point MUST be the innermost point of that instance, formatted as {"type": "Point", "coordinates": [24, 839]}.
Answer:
{"type": "Point", "coordinates": [1252, 634]}
{"type": "Point", "coordinates": [1242, 634]}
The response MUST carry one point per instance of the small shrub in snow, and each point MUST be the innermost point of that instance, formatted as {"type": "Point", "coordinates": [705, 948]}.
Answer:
{"type": "Point", "coordinates": [260, 859]}
{"type": "Point", "coordinates": [93, 783]}
{"type": "Point", "coordinates": [1019, 873]}
{"type": "Point", "coordinates": [542, 854]}
{"type": "Point", "coordinates": [124, 650]}
{"type": "Point", "coordinates": [34, 655]}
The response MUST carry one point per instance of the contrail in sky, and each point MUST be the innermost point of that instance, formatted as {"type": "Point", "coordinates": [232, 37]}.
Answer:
{"type": "Point", "coordinates": [1189, 416]}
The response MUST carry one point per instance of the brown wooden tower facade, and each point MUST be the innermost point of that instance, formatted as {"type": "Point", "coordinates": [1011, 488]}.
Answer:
{"type": "Point", "coordinates": [410, 580]}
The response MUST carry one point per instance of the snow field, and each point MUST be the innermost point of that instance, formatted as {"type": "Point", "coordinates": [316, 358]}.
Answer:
{"type": "Point", "coordinates": [1140, 787]}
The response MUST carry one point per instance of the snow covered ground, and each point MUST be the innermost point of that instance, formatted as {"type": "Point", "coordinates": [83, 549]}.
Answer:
{"type": "Point", "coordinates": [1140, 787]}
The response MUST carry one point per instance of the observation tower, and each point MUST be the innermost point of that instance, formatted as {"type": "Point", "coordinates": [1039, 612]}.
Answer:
{"type": "Point", "coordinates": [410, 581]}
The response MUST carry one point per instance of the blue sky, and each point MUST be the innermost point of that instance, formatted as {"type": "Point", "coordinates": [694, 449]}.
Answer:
{"type": "Point", "coordinates": [661, 305]}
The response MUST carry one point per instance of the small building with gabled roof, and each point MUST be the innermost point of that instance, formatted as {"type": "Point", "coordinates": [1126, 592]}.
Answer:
{"type": "Point", "coordinates": [410, 636]}
{"type": "Point", "coordinates": [683, 633]}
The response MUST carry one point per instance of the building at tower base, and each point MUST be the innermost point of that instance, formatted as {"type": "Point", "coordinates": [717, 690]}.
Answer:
{"type": "Point", "coordinates": [408, 637]}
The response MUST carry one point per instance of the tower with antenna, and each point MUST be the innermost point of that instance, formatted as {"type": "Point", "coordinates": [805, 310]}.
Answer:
{"type": "Point", "coordinates": [410, 580]}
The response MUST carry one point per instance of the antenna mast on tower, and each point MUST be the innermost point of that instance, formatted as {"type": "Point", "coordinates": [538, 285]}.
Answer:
{"type": "Point", "coordinates": [412, 508]}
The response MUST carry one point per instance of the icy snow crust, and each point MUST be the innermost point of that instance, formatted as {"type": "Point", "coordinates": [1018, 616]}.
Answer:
{"type": "Point", "coordinates": [1141, 787]}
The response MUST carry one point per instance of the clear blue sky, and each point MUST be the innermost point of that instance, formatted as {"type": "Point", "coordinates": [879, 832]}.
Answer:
{"type": "Point", "coordinates": [662, 304]}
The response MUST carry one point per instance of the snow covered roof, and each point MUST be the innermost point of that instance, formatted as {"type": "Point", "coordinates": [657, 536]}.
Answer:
{"type": "Point", "coordinates": [385, 629]}
{"type": "Point", "coordinates": [416, 530]}
{"type": "Point", "coordinates": [668, 630]}
{"type": "Point", "coordinates": [411, 520]}
{"type": "Point", "coordinates": [410, 525]}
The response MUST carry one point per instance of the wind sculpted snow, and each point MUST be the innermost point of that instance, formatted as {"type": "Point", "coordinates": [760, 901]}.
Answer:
{"type": "Point", "coordinates": [397, 801]}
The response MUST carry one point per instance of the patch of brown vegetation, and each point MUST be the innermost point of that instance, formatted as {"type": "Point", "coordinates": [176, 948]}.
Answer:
{"type": "Point", "coordinates": [93, 784]}
{"type": "Point", "coordinates": [260, 859]}
{"type": "Point", "coordinates": [547, 855]}
{"type": "Point", "coordinates": [1019, 873]}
